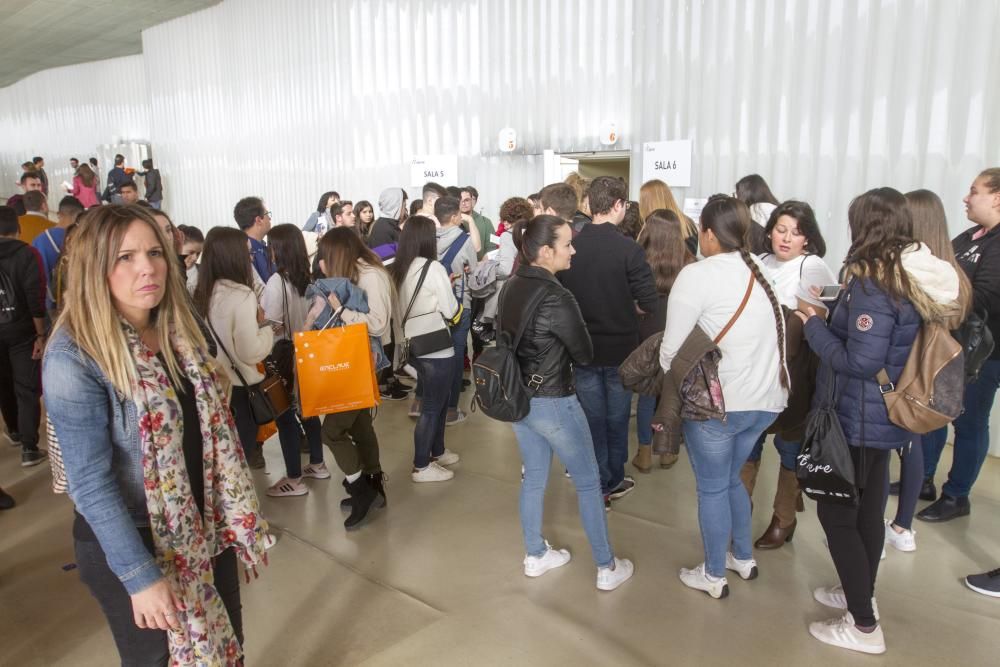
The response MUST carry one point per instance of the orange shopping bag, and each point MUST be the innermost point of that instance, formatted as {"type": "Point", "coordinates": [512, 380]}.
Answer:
{"type": "Point", "coordinates": [336, 370]}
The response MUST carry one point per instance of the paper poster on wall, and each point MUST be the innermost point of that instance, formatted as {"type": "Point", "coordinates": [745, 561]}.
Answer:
{"type": "Point", "coordinates": [442, 169]}
{"type": "Point", "coordinates": [693, 206]}
{"type": "Point", "coordinates": [667, 161]}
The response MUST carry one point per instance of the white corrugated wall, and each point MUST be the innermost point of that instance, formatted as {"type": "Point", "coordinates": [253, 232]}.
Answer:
{"type": "Point", "coordinates": [68, 112]}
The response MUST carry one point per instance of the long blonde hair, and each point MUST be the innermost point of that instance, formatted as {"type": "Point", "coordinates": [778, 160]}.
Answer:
{"type": "Point", "coordinates": [930, 227]}
{"type": "Point", "coordinates": [90, 317]}
{"type": "Point", "coordinates": [656, 194]}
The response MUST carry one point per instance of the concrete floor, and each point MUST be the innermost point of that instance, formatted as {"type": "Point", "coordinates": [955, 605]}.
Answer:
{"type": "Point", "coordinates": [435, 579]}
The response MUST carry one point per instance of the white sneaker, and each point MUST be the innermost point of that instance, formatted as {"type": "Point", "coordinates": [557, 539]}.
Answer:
{"type": "Point", "coordinates": [747, 569]}
{"type": "Point", "coordinates": [834, 598]}
{"type": "Point", "coordinates": [447, 458]}
{"type": "Point", "coordinates": [882, 557]}
{"type": "Point", "coordinates": [904, 541]}
{"type": "Point", "coordinates": [841, 632]}
{"type": "Point", "coordinates": [432, 473]}
{"type": "Point", "coordinates": [410, 370]}
{"type": "Point", "coordinates": [701, 580]}
{"type": "Point", "coordinates": [536, 566]}
{"type": "Point", "coordinates": [609, 580]}
{"type": "Point", "coordinates": [269, 541]}
{"type": "Point", "coordinates": [316, 471]}
{"type": "Point", "coordinates": [287, 486]}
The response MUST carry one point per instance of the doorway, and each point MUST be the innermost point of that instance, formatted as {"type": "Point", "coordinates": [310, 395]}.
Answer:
{"type": "Point", "coordinates": [589, 164]}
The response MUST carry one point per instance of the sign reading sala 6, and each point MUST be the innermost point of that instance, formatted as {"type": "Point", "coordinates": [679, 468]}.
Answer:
{"type": "Point", "coordinates": [667, 161]}
{"type": "Point", "coordinates": [442, 169]}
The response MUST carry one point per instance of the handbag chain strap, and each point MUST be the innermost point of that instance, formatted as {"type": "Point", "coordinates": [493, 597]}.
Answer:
{"type": "Point", "coordinates": [739, 311]}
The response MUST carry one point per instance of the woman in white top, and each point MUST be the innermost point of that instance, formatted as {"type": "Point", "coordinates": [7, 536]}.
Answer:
{"type": "Point", "coordinates": [708, 294]}
{"type": "Point", "coordinates": [796, 267]}
{"type": "Point", "coordinates": [350, 435]}
{"type": "Point", "coordinates": [226, 300]}
{"type": "Point", "coordinates": [416, 248]}
{"type": "Point", "coordinates": [284, 304]}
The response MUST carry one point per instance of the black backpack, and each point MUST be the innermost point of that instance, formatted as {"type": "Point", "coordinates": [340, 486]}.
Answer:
{"type": "Point", "coordinates": [977, 343]}
{"type": "Point", "coordinates": [10, 305]}
{"type": "Point", "coordinates": [500, 390]}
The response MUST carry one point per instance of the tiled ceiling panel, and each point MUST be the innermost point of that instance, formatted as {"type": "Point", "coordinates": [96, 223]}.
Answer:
{"type": "Point", "coordinates": [40, 34]}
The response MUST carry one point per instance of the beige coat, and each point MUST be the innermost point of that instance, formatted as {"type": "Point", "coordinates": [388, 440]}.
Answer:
{"type": "Point", "coordinates": [232, 313]}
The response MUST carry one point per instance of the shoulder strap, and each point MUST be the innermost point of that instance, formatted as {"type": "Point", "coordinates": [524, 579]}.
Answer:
{"type": "Point", "coordinates": [416, 290]}
{"type": "Point", "coordinates": [739, 311]}
{"type": "Point", "coordinates": [536, 380]}
{"type": "Point", "coordinates": [48, 235]}
{"type": "Point", "coordinates": [453, 249]}
{"type": "Point", "coordinates": [232, 362]}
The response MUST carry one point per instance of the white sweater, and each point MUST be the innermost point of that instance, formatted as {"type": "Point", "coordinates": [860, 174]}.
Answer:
{"type": "Point", "coordinates": [791, 280]}
{"type": "Point", "coordinates": [435, 295]}
{"type": "Point", "coordinates": [707, 294]}
{"type": "Point", "coordinates": [275, 305]}
{"type": "Point", "coordinates": [233, 314]}
{"type": "Point", "coordinates": [378, 288]}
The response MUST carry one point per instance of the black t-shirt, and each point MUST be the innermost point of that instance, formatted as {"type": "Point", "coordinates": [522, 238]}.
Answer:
{"type": "Point", "coordinates": [192, 445]}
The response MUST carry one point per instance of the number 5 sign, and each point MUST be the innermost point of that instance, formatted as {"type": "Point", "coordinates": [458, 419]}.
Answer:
{"type": "Point", "coordinates": [667, 161]}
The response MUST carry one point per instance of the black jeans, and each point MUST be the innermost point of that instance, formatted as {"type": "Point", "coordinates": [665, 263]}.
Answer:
{"type": "Point", "coordinates": [137, 646]}
{"type": "Point", "coordinates": [856, 535]}
{"type": "Point", "coordinates": [246, 427]}
{"type": "Point", "coordinates": [20, 390]}
{"type": "Point", "coordinates": [436, 376]}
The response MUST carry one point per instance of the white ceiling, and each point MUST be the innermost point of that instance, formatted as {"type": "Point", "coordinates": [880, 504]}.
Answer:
{"type": "Point", "coordinates": [40, 34]}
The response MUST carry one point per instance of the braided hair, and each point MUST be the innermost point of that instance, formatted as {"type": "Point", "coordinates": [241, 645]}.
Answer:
{"type": "Point", "coordinates": [729, 219]}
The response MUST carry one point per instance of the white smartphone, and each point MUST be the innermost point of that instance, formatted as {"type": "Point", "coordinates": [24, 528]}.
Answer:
{"type": "Point", "coordinates": [830, 292]}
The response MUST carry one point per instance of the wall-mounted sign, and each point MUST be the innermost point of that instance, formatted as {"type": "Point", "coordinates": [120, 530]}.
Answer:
{"type": "Point", "coordinates": [507, 140]}
{"type": "Point", "coordinates": [667, 161]}
{"type": "Point", "coordinates": [609, 133]}
{"type": "Point", "coordinates": [442, 169]}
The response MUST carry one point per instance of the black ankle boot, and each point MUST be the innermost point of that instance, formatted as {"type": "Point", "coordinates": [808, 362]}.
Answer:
{"type": "Point", "coordinates": [345, 504]}
{"type": "Point", "coordinates": [945, 508]}
{"type": "Point", "coordinates": [927, 490]}
{"type": "Point", "coordinates": [363, 496]}
{"type": "Point", "coordinates": [377, 480]}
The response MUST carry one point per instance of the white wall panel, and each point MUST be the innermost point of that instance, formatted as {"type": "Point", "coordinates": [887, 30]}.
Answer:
{"type": "Point", "coordinates": [68, 112]}
{"type": "Point", "coordinates": [824, 98]}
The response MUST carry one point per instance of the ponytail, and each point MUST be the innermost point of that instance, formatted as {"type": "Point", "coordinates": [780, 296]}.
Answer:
{"type": "Point", "coordinates": [530, 236]}
{"type": "Point", "coordinates": [779, 316]}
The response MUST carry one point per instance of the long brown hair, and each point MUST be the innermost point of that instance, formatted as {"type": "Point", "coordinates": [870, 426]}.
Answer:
{"type": "Point", "coordinates": [225, 257]}
{"type": "Point", "coordinates": [86, 175]}
{"type": "Point", "coordinates": [291, 259]}
{"type": "Point", "coordinates": [655, 195]}
{"type": "Point", "coordinates": [729, 218]}
{"type": "Point", "coordinates": [881, 228]}
{"type": "Point", "coordinates": [662, 238]}
{"type": "Point", "coordinates": [341, 249]}
{"type": "Point", "coordinates": [89, 315]}
{"type": "Point", "coordinates": [930, 227]}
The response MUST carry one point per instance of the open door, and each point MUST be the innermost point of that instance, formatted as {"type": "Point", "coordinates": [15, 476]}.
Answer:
{"type": "Point", "coordinates": [590, 164]}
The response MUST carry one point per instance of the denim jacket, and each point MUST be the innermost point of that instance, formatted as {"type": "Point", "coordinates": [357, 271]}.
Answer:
{"type": "Point", "coordinates": [98, 431]}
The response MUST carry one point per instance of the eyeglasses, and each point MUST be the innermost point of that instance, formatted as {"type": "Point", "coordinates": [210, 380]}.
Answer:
{"type": "Point", "coordinates": [267, 214]}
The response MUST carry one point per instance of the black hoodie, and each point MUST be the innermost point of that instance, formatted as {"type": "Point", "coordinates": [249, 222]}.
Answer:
{"type": "Point", "coordinates": [23, 265]}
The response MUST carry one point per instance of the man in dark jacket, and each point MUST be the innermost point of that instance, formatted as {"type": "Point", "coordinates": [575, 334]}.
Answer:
{"type": "Point", "coordinates": [39, 163]}
{"type": "Point", "coordinates": [154, 186]}
{"type": "Point", "coordinates": [609, 277]}
{"type": "Point", "coordinates": [22, 337]}
{"type": "Point", "coordinates": [117, 177]}
{"type": "Point", "coordinates": [391, 208]}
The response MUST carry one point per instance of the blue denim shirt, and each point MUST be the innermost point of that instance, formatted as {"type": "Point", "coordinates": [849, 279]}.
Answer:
{"type": "Point", "coordinates": [98, 432]}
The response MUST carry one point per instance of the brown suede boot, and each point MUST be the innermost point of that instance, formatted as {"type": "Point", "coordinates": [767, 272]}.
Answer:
{"type": "Point", "coordinates": [643, 461]}
{"type": "Point", "coordinates": [668, 460]}
{"type": "Point", "coordinates": [748, 473]}
{"type": "Point", "coordinates": [783, 522]}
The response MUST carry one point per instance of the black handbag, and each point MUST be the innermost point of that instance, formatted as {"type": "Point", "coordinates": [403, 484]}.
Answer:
{"type": "Point", "coordinates": [825, 469]}
{"type": "Point", "coordinates": [977, 343]}
{"type": "Point", "coordinates": [269, 398]}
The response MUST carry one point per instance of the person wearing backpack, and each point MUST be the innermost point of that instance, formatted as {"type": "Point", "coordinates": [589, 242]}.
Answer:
{"type": "Point", "coordinates": [872, 328]}
{"type": "Point", "coordinates": [977, 251]}
{"type": "Point", "coordinates": [22, 338]}
{"type": "Point", "coordinates": [458, 255]}
{"type": "Point", "coordinates": [554, 339]}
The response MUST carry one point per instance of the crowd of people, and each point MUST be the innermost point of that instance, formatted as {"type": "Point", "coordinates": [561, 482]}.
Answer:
{"type": "Point", "coordinates": [150, 339]}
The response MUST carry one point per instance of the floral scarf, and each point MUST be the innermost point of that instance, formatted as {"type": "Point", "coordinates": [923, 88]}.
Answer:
{"type": "Point", "coordinates": [185, 542]}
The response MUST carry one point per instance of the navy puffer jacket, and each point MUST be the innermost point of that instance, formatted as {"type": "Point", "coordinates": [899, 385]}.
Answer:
{"type": "Point", "coordinates": [868, 331]}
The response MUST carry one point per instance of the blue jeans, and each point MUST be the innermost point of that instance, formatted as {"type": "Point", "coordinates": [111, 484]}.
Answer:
{"type": "Point", "coordinates": [290, 435]}
{"type": "Point", "coordinates": [644, 411]}
{"type": "Point", "coordinates": [460, 339]}
{"type": "Point", "coordinates": [788, 452]}
{"type": "Point", "coordinates": [718, 449]}
{"type": "Point", "coordinates": [428, 437]}
{"type": "Point", "coordinates": [972, 435]}
{"type": "Point", "coordinates": [559, 425]}
{"type": "Point", "coordinates": [607, 405]}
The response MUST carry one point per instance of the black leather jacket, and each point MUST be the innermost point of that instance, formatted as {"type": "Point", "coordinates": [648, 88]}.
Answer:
{"type": "Point", "coordinates": [555, 337]}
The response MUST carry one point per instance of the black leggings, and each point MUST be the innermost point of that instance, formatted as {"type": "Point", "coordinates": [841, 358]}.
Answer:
{"type": "Point", "coordinates": [856, 535]}
{"type": "Point", "coordinates": [137, 646]}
